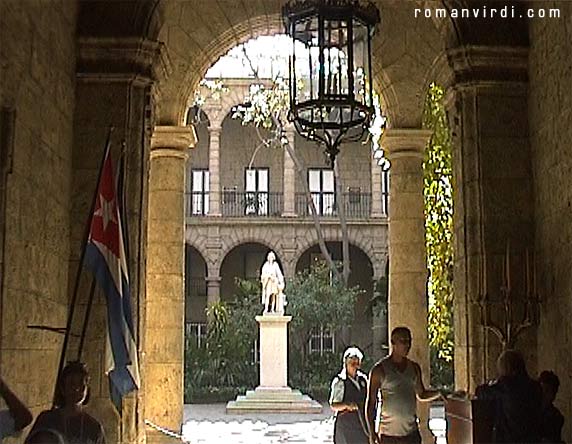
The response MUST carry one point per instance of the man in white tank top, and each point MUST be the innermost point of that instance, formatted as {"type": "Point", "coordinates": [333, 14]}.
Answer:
{"type": "Point", "coordinates": [399, 381]}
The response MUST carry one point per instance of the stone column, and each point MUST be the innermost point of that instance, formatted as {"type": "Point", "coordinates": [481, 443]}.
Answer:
{"type": "Point", "coordinates": [214, 171]}
{"type": "Point", "coordinates": [213, 290]}
{"type": "Point", "coordinates": [407, 301]}
{"type": "Point", "coordinates": [376, 208]}
{"type": "Point", "coordinates": [289, 176]}
{"type": "Point", "coordinates": [165, 278]}
{"type": "Point", "coordinates": [115, 82]}
{"type": "Point", "coordinates": [488, 112]}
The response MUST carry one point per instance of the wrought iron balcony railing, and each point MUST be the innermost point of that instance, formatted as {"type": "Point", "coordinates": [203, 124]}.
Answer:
{"type": "Point", "coordinates": [270, 204]}
{"type": "Point", "coordinates": [357, 205]}
{"type": "Point", "coordinates": [247, 203]}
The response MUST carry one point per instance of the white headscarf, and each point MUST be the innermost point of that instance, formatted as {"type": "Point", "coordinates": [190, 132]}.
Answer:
{"type": "Point", "coordinates": [351, 352]}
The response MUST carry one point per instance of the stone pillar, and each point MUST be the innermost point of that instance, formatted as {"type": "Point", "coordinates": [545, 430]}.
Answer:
{"type": "Point", "coordinates": [114, 85]}
{"type": "Point", "coordinates": [407, 302]}
{"type": "Point", "coordinates": [273, 351]}
{"type": "Point", "coordinates": [213, 290]}
{"type": "Point", "coordinates": [493, 198]}
{"type": "Point", "coordinates": [165, 278]}
{"type": "Point", "coordinates": [273, 394]}
{"type": "Point", "coordinates": [214, 171]}
{"type": "Point", "coordinates": [289, 176]}
{"type": "Point", "coordinates": [376, 208]}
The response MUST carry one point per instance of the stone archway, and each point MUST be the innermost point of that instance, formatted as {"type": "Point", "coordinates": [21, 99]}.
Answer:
{"type": "Point", "coordinates": [400, 82]}
{"type": "Point", "coordinates": [243, 261]}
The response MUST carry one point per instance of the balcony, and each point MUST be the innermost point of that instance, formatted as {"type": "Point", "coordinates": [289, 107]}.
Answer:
{"type": "Point", "coordinates": [271, 204]}
{"type": "Point", "coordinates": [251, 204]}
{"type": "Point", "coordinates": [357, 205]}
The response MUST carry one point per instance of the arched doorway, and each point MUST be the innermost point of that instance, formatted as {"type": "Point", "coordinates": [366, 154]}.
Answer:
{"type": "Point", "coordinates": [195, 295]}
{"type": "Point", "coordinates": [243, 261]}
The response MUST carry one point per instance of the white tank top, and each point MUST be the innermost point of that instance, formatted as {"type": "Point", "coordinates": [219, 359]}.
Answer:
{"type": "Point", "coordinates": [399, 403]}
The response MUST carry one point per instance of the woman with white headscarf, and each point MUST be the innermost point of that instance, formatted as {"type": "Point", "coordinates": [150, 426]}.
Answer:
{"type": "Point", "coordinates": [347, 399]}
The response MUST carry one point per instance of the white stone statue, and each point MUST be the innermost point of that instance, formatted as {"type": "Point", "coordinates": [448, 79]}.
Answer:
{"type": "Point", "coordinates": [272, 280]}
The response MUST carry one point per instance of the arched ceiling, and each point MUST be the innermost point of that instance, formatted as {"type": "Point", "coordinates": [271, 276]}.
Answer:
{"type": "Point", "coordinates": [197, 32]}
{"type": "Point", "coordinates": [408, 52]}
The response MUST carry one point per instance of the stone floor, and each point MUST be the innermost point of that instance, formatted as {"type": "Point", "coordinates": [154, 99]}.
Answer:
{"type": "Point", "coordinates": [209, 423]}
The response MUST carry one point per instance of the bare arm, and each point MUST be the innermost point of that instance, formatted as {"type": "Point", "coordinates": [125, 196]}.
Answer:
{"type": "Point", "coordinates": [376, 375]}
{"type": "Point", "coordinates": [337, 396]}
{"type": "Point", "coordinates": [424, 394]}
{"type": "Point", "coordinates": [21, 414]}
{"type": "Point", "coordinates": [344, 407]}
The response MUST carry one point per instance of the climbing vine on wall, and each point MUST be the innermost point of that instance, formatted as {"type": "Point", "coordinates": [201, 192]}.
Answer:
{"type": "Point", "coordinates": [438, 196]}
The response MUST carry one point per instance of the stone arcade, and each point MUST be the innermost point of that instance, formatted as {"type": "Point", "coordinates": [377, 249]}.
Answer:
{"type": "Point", "coordinates": [71, 68]}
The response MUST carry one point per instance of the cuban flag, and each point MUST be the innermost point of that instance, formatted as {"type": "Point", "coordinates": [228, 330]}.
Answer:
{"type": "Point", "coordinates": [105, 257]}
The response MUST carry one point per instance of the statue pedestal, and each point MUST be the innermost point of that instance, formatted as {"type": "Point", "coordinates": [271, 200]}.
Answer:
{"type": "Point", "coordinates": [273, 393]}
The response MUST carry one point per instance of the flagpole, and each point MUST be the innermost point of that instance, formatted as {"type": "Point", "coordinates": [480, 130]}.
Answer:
{"type": "Point", "coordinates": [80, 266]}
{"type": "Point", "coordinates": [86, 318]}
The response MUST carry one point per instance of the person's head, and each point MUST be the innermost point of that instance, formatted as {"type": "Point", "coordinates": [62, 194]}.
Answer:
{"type": "Point", "coordinates": [550, 385]}
{"type": "Point", "coordinates": [352, 360]}
{"type": "Point", "coordinates": [400, 341]}
{"type": "Point", "coordinates": [73, 385]}
{"type": "Point", "coordinates": [511, 363]}
{"type": "Point", "coordinates": [271, 256]}
{"type": "Point", "coordinates": [45, 436]}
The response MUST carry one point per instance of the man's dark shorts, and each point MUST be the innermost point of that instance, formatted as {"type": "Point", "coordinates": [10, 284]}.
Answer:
{"type": "Point", "coordinates": [413, 438]}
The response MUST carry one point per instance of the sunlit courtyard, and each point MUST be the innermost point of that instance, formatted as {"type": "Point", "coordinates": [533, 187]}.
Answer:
{"type": "Point", "coordinates": [209, 423]}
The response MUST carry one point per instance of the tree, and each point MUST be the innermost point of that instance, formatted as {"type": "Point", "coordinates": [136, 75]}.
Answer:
{"type": "Point", "coordinates": [316, 298]}
{"type": "Point", "coordinates": [267, 107]}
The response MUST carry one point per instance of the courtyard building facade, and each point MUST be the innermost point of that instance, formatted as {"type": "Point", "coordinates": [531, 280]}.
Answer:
{"type": "Point", "coordinates": [70, 69]}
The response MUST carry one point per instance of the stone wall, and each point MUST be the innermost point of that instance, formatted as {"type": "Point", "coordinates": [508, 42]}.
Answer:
{"type": "Point", "coordinates": [37, 80]}
{"type": "Point", "coordinates": [550, 109]}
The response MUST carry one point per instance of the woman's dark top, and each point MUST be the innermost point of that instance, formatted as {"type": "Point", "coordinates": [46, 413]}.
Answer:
{"type": "Point", "coordinates": [349, 426]}
{"type": "Point", "coordinates": [517, 401]}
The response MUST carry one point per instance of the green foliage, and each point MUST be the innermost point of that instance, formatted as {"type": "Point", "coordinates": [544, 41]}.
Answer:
{"type": "Point", "coordinates": [314, 299]}
{"type": "Point", "coordinates": [439, 227]}
{"type": "Point", "coordinates": [224, 365]}
{"type": "Point", "coordinates": [225, 361]}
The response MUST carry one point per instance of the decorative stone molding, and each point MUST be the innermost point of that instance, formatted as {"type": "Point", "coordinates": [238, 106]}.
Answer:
{"type": "Point", "coordinates": [487, 65]}
{"type": "Point", "coordinates": [172, 141]}
{"type": "Point", "coordinates": [410, 142]}
{"type": "Point", "coordinates": [122, 59]}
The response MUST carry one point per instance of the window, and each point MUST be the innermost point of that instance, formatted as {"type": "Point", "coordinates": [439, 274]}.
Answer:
{"type": "Point", "coordinates": [200, 192]}
{"type": "Point", "coordinates": [321, 184]}
{"type": "Point", "coordinates": [321, 340]}
{"type": "Point", "coordinates": [196, 332]}
{"type": "Point", "coordinates": [256, 191]}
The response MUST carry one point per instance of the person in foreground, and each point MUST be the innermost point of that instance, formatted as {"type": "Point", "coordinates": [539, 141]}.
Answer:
{"type": "Point", "coordinates": [517, 401]}
{"type": "Point", "coordinates": [552, 420]}
{"type": "Point", "coordinates": [16, 417]}
{"type": "Point", "coordinates": [347, 399]}
{"type": "Point", "coordinates": [399, 381]}
{"type": "Point", "coordinates": [68, 417]}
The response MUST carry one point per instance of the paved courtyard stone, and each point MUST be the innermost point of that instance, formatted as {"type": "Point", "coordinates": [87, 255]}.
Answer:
{"type": "Point", "coordinates": [210, 424]}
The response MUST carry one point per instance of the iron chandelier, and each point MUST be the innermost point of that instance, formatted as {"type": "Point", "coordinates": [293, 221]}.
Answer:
{"type": "Point", "coordinates": [331, 91]}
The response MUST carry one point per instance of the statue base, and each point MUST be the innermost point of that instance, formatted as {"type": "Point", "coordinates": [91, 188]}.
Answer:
{"type": "Point", "coordinates": [273, 400]}
{"type": "Point", "coordinates": [273, 393]}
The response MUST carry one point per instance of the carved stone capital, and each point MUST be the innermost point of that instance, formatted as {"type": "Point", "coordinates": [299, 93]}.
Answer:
{"type": "Point", "coordinates": [172, 141]}
{"type": "Point", "coordinates": [122, 59]}
{"type": "Point", "coordinates": [487, 65]}
{"type": "Point", "coordinates": [410, 142]}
